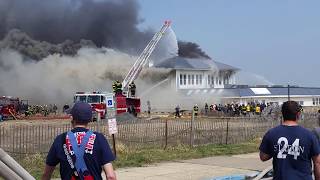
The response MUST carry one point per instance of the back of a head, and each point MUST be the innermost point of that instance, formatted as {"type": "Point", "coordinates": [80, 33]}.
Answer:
{"type": "Point", "coordinates": [81, 112]}
{"type": "Point", "coordinates": [290, 110]}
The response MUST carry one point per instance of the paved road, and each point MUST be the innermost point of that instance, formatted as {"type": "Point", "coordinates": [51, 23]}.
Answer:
{"type": "Point", "coordinates": [196, 169]}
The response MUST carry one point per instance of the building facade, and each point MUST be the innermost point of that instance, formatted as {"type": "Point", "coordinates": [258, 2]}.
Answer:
{"type": "Point", "coordinates": [199, 81]}
{"type": "Point", "coordinates": [198, 73]}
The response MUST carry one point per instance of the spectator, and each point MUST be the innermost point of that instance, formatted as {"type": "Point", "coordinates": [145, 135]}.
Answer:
{"type": "Point", "coordinates": [177, 110]}
{"type": "Point", "coordinates": [206, 107]}
{"type": "Point", "coordinates": [319, 116]}
{"type": "Point", "coordinates": [291, 146]}
{"type": "Point", "coordinates": [149, 108]}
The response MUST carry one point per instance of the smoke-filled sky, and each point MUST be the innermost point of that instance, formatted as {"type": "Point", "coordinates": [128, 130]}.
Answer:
{"type": "Point", "coordinates": [51, 49]}
{"type": "Point", "coordinates": [278, 39]}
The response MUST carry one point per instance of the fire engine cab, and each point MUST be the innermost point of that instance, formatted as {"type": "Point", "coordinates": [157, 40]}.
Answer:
{"type": "Point", "coordinates": [99, 102]}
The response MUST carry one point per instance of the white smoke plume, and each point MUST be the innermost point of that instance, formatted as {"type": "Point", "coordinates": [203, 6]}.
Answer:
{"type": "Point", "coordinates": [56, 78]}
{"type": "Point", "coordinates": [251, 79]}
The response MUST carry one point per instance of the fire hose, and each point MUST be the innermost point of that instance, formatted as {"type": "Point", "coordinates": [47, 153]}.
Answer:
{"type": "Point", "coordinates": [12, 115]}
{"type": "Point", "coordinates": [10, 169]}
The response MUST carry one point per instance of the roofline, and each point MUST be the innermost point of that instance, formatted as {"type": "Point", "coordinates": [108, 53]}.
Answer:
{"type": "Point", "coordinates": [267, 86]}
{"type": "Point", "coordinates": [190, 69]}
{"type": "Point", "coordinates": [273, 96]}
{"type": "Point", "coordinates": [199, 69]}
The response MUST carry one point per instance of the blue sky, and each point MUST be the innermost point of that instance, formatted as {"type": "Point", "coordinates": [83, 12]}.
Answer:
{"type": "Point", "coordinates": [278, 39]}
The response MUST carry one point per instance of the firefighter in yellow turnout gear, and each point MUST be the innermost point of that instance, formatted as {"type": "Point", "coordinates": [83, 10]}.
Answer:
{"type": "Point", "coordinates": [117, 87]}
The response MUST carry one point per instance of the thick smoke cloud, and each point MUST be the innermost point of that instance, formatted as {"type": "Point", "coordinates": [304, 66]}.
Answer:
{"type": "Point", "coordinates": [191, 50]}
{"type": "Point", "coordinates": [51, 49]}
{"type": "Point", "coordinates": [37, 50]}
{"type": "Point", "coordinates": [107, 23]}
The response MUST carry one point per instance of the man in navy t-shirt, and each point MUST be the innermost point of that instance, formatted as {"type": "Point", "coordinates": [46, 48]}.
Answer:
{"type": "Point", "coordinates": [97, 153]}
{"type": "Point", "coordinates": [292, 147]}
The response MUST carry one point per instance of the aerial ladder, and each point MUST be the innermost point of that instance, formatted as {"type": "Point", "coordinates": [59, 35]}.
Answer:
{"type": "Point", "coordinates": [144, 56]}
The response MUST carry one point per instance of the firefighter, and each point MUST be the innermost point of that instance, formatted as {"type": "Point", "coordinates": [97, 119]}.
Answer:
{"type": "Point", "coordinates": [248, 109]}
{"type": "Point", "coordinates": [177, 114]}
{"type": "Point", "coordinates": [206, 107]}
{"type": "Point", "coordinates": [45, 110]}
{"type": "Point", "coordinates": [195, 110]}
{"type": "Point", "coordinates": [258, 110]}
{"type": "Point", "coordinates": [55, 108]}
{"type": "Point", "coordinates": [244, 110]}
{"type": "Point", "coordinates": [117, 87]}
{"type": "Point", "coordinates": [65, 107]}
{"type": "Point", "coordinates": [28, 112]}
{"type": "Point", "coordinates": [132, 110]}
{"type": "Point", "coordinates": [132, 88]}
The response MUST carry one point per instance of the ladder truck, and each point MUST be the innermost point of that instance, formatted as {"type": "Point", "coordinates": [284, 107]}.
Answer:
{"type": "Point", "coordinates": [123, 102]}
{"type": "Point", "coordinates": [144, 56]}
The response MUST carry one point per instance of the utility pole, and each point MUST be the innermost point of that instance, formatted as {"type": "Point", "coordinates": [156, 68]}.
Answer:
{"type": "Point", "coordinates": [288, 92]}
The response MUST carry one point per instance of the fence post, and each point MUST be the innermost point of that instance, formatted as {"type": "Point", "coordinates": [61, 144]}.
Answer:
{"type": "Point", "coordinates": [192, 130]}
{"type": "Point", "coordinates": [98, 122]}
{"type": "Point", "coordinates": [227, 133]}
{"type": "Point", "coordinates": [166, 135]}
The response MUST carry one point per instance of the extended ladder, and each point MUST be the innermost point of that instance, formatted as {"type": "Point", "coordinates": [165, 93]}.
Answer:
{"type": "Point", "coordinates": [144, 56]}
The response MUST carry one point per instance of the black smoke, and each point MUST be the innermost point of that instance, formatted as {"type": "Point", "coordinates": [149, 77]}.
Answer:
{"type": "Point", "coordinates": [42, 24]}
{"type": "Point", "coordinates": [191, 50]}
{"type": "Point", "coordinates": [37, 50]}
{"type": "Point", "coordinates": [109, 23]}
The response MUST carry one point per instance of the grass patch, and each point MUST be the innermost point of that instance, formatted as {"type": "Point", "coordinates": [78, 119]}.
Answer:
{"type": "Point", "coordinates": [129, 157]}
{"type": "Point", "coordinates": [140, 157]}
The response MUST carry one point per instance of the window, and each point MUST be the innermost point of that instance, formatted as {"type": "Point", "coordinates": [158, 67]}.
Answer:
{"type": "Point", "coordinates": [200, 78]}
{"type": "Point", "coordinates": [209, 79]}
{"type": "Point", "coordinates": [217, 80]}
{"type": "Point", "coordinates": [197, 79]}
{"type": "Point", "coordinates": [301, 103]}
{"type": "Point", "coordinates": [212, 80]}
{"type": "Point", "coordinates": [93, 99]}
{"type": "Point", "coordinates": [313, 101]}
{"type": "Point", "coordinates": [192, 79]}
{"type": "Point", "coordinates": [80, 98]}
{"type": "Point", "coordinates": [189, 79]}
{"type": "Point", "coordinates": [183, 79]}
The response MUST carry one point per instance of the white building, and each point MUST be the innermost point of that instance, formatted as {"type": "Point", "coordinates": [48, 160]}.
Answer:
{"type": "Point", "coordinates": [305, 96]}
{"type": "Point", "coordinates": [198, 73]}
{"type": "Point", "coordinates": [204, 80]}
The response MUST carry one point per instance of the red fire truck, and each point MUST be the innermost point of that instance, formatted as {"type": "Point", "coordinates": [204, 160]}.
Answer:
{"type": "Point", "coordinates": [8, 106]}
{"type": "Point", "coordinates": [99, 102]}
{"type": "Point", "coordinates": [123, 100]}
